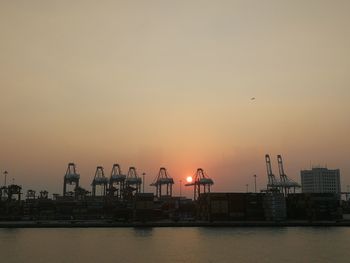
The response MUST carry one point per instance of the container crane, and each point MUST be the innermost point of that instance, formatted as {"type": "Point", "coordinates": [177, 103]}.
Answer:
{"type": "Point", "coordinates": [163, 178]}
{"type": "Point", "coordinates": [272, 184]}
{"type": "Point", "coordinates": [71, 177]}
{"type": "Point", "coordinates": [200, 180]}
{"type": "Point", "coordinates": [132, 183]}
{"type": "Point", "coordinates": [286, 183]}
{"type": "Point", "coordinates": [116, 181]}
{"type": "Point", "coordinates": [99, 180]}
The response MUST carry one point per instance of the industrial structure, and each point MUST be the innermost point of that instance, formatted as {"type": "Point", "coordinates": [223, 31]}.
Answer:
{"type": "Point", "coordinates": [31, 194]}
{"type": "Point", "coordinates": [14, 191]}
{"type": "Point", "coordinates": [116, 182]}
{"type": "Point", "coordinates": [163, 179]}
{"type": "Point", "coordinates": [272, 183]}
{"type": "Point", "coordinates": [132, 183]}
{"type": "Point", "coordinates": [70, 178]}
{"type": "Point", "coordinates": [320, 180]}
{"type": "Point", "coordinates": [5, 177]}
{"type": "Point", "coordinates": [121, 200]}
{"type": "Point", "coordinates": [201, 181]}
{"type": "Point", "coordinates": [99, 180]}
{"type": "Point", "coordinates": [284, 184]}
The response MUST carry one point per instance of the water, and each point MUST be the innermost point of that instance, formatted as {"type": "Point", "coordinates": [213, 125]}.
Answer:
{"type": "Point", "coordinates": [175, 245]}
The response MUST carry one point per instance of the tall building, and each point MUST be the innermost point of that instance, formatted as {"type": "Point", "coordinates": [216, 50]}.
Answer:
{"type": "Point", "coordinates": [320, 180]}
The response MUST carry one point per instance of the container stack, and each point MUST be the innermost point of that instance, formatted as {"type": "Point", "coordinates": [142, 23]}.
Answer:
{"type": "Point", "coordinates": [143, 206]}
{"type": "Point", "coordinates": [275, 207]}
{"type": "Point", "coordinates": [314, 206]}
{"type": "Point", "coordinates": [231, 207]}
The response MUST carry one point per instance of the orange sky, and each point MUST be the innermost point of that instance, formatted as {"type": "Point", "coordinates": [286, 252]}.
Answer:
{"type": "Point", "coordinates": [168, 83]}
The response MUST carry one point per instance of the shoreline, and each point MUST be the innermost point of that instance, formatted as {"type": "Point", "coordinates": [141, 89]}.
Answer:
{"type": "Point", "coordinates": [110, 224]}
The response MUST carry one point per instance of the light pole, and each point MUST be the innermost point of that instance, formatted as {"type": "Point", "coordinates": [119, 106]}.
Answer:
{"type": "Point", "coordinates": [255, 182]}
{"type": "Point", "coordinates": [5, 173]}
{"type": "Point", "coordinates": [143, 182]}
{"type": "Point", "coordinates": [180, 187]}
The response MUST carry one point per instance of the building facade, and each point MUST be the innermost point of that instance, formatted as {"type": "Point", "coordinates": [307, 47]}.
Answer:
{"type": "Point", "coordinates": [320, 180]}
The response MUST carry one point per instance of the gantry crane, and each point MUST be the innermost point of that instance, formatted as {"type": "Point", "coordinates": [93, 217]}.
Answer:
{"type": "Point", "coordinates": [286, 184]}
{"type": "Point", "coordinates": [200, 180]}
{"type": "Point", "coordinates": [272, 184]}
{"type": "Point", "coordinates": [99, 180]}
{"type": "Point", "coordinates": [116, 182]}
{"type": "Point", "coordinates": [71, 177]}
{"type": "Point", "coordinates": [132, 183]}
{"type": "Point", "coordinates": [163, 178]}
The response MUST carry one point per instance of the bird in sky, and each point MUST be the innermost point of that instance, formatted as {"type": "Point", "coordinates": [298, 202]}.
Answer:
{"type": "Point", "coordinates": [253, 98]}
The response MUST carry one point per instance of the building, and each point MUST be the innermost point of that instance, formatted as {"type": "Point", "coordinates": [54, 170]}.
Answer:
{"type": "Point", "coordinates": [320, 180]}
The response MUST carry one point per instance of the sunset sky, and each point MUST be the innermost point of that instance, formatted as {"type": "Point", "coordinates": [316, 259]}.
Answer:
{"type": "Point", "coordinates": [169, 83]}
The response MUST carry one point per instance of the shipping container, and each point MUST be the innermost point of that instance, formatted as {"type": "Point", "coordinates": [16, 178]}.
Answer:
{"type": "Point", "coordinates": [314, 206]}
{"type": "Point", "coordinates": [275, 207]}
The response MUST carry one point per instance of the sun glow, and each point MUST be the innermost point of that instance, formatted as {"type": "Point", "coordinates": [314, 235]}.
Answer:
{"type": "Point", "coordinates": [189, 179]}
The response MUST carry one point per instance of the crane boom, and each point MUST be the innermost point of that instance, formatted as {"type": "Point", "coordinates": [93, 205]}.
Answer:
{"type": "Point", "coordinates": [268, 165]}
{"type": "Point", "coordinates": [283, 176]}
{"type": "Point", "coordinates": [272, 182]}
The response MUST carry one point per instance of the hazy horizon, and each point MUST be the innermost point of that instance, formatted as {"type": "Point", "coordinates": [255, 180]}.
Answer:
{"type": "Point", "coordinates": [169, 84]}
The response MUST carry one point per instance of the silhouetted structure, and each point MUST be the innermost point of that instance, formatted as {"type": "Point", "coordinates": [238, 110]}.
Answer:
{"type": "Point", "coordinates": [271, 205]}
{"type": "Point", "coordinates": [81, 193]}
{"type": "Point", "coordinates": [14, 191]}
{"type": "Point", "coordinates": [70, 178]}
{"type": "Point", "coordinates": [99, 180]}
{"type": "Point", "coordinates": [272, 184]}
{"type": "Point", "coordinates": [286, 184]}
{"type": "Point", "coordinates": [5, 178]}
{"type": "Point", "coordinates": [163, 179]}
{"type": "Point", "coordinates": [116, 182]}
{"type": "Point", "coordinates": [132, 183]}
{"type": "Point", "coordinates": [31, 194]}
{"type": "Point", "coordinates": [201, 180]}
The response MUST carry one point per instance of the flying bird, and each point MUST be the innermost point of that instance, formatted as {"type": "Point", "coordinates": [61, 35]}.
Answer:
{"type": "Point", "coordinates": [252, 98]}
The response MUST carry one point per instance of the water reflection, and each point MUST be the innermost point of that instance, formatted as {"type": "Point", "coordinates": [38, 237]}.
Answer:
{"type": "Point", "coordinates": [175, 245]}
{"type": "Point", "coordinates": [143, 231]}
{"type": "Point", "coordinates": [238, 232]}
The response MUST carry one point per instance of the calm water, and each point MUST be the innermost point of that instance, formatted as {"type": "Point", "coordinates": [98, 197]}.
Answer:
{"type": "Point", "coordinates": [176, 245]}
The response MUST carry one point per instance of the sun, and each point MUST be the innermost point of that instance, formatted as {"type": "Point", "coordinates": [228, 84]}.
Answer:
{"type": "Point", "coordinates": [189, 179]}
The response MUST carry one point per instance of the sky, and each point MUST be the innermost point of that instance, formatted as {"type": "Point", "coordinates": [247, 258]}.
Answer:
{"type": "Point", "coordinates": [169, 84]}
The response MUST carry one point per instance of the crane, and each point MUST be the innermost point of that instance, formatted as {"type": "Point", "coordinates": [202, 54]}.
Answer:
{"type": "Point", "coordinates": [132, 183]}
{"type": "Point", "coordinates": [116, 181]}
{"type": "Point", "coordinates": [272, 184]}
{"type": "Point", "coordinates": [163, 178]}
{"type": "Point", "coordinates": [99, 180]}
{"type": "Point", "coordinates": [71, 177]}
{"type": "Point", "coordinates": [286, 183]}
{"type": "Point", "coordinates": [200, 179]}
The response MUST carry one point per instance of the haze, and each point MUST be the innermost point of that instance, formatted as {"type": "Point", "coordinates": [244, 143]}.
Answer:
{"type": "Point", "coordinates": [169, 83]}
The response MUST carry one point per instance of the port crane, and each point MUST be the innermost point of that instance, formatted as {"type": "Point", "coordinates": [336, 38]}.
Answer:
{"type": "Point", "coordinates": [272, 184]}
{"type": "Point", "coordinates": [286, 184]}
{"type": "Point", "coordinates": [99, 180]}
{"type": "Point", "coordinates": [201, 180]}
{"type": "Point", "coordinates": [132, 183]}
{"type": "Point", "coordinates": [116, 182]}
{"type": "Point", "coordinates": [163, 179]}
{"type": "Point", "coordinates": [70, 178]}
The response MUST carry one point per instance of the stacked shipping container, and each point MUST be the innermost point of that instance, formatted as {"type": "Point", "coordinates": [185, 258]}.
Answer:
{"type": "Point", "coordinates": [230, 207]}
{"type": "Point", "coordinates": [314, 206]}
